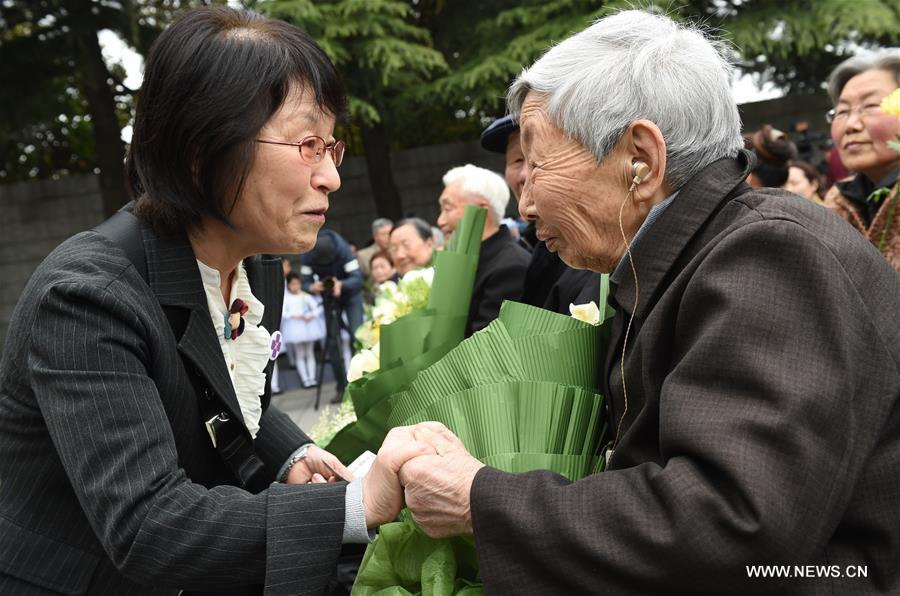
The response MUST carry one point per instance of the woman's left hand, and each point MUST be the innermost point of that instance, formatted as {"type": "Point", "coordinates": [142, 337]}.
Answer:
{"type": "Point", "coordinates": [313, 468]}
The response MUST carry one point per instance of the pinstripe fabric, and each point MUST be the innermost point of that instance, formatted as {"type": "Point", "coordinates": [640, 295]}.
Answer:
{"type": "Point", "coordinates": [108, 481]}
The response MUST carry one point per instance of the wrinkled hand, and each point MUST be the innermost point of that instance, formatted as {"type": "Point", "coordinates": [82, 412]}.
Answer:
{"type": "Point", "coordinates": [438, 487]}
{"type": "Point", "coordinates": [312, 468]}
{"type": "Point", "coordinates": [382, 493]}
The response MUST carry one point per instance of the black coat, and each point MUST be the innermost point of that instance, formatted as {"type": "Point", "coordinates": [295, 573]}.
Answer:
{"type": "Point", "coordinates": [500, 276]}
{"type": "Point", "coordinates": [551, 284]}
{"type": "Point", "coordinates": [110, 483]}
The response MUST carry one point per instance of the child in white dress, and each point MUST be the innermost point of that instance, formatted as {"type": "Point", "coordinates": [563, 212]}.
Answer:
{"type": "Point", "coordinates": [301, 328]}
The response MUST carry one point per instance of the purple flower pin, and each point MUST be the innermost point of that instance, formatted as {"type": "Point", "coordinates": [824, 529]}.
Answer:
{"type": "Point", "coordinates": [275, 346]}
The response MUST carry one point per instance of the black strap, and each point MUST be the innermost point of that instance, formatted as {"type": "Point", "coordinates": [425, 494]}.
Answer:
{"type": "Point", "coordinates": [124, 230]}
{"type": "Point", "coordinates": [232, 441]}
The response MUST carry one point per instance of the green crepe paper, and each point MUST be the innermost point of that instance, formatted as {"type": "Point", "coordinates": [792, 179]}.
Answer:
{"type": "Point", "coordinates": [416, 341]}
{"type": "Point", "coordinates": [521, 395]}
{"type": "Point", "coordinates": [518, 416]}
{"type": "Point", "coordinates": [403, 561]}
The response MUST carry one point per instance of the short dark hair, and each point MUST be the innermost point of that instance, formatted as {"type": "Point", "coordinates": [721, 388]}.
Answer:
{"type": "Point", "coordinates": [382, 254]}
{"type": "Point", "coordinates": [419, 225]}
{"type": "Point", "coordinates": [212, 80]}
{"type": "Point", "coordinates": [291, 276]}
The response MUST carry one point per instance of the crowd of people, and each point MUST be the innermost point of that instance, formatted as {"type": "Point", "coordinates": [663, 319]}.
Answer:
{"type": "Point", "coordinates": [751, 381]}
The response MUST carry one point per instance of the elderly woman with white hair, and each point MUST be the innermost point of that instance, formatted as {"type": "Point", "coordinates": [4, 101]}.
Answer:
{"type": "Point", "coordinates": [749, 422]}
{"type": "Point", "coordinates": [860, 131]}
{"type": "Point", "coordinates": [502, 263]}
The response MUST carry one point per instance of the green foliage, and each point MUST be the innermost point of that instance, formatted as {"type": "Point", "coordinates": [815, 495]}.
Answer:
{"type": "Point", "coordinates": [797, 44]}
{"type": "Point", "coordinates": [375, 44]}
{"type": "Point", "coordinates": [46, 129]}
{"type": "Point", "coordinates": [428, 71]}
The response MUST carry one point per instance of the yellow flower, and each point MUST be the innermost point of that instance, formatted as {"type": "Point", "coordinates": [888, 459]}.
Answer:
{"type": "Point", "coordinates": [589, 313]}
{"type": "Point", "coordinates": [891, 104]}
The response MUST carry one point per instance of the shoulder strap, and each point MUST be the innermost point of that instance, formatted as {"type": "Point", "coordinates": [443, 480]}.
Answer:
{"type": "Point", "coordinates": [233, 444]}
{"type": "Point", "coordinates": [124, 230]}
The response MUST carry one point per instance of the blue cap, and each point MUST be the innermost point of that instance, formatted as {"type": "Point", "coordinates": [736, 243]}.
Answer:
{"type": "Point", "coordinates": [495, 136]}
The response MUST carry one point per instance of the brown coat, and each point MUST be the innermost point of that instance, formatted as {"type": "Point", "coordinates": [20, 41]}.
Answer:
{"type": "Point", "coordinates": [762, 422]}
{"type": "Point", "coordinates": [884, 232]}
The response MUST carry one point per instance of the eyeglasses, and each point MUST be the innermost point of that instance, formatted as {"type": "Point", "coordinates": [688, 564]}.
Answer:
{"type": "Point", "coordinates": [313, 148]}
{"type": "Point", "coordinates": [843, 114]}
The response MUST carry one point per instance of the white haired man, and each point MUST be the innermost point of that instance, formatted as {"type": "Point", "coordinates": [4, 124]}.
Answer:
{"type": "Point", "coordinates": [756, 333]}
{"type": "Point", "coordinates": [502, 263]}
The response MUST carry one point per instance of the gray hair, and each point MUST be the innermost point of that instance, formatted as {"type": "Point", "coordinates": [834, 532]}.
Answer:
{"type": "Point", "coordinates": [380, 223]}
{"type": "Point", "coordinates": [484, 183]}
{"type": "Point", "coordinates": [888, 60]}
{"type": "Point", "coordinates": [636, 65]}
{"type": "Point", "coordinates": [422, 227]}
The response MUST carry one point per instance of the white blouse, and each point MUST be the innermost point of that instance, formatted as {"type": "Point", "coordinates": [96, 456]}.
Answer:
{"type": "Point", "coordinates": [247, 356]}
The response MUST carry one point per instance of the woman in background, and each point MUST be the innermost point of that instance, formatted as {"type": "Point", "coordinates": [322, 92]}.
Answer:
{"type": "Point", "coordinates": [773, 153]}
{"type": "Point", "coordinates": [805, 180]}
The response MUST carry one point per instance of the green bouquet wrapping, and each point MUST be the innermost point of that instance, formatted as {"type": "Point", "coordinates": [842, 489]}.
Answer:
{"type": "Point", "coordinates": [521, 394]}
{"type": "Point", "coordinates": [416, 341]}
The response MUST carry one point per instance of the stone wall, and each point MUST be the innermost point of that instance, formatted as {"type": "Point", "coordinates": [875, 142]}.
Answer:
{"type": "Point", "coordinates": [37, 216]}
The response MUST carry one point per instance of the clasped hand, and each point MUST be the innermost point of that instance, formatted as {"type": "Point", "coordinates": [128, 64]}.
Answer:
{"type": "Point", "coordinates": [427, 468]}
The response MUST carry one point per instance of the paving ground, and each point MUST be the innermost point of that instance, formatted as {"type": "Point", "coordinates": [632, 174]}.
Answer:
{"type": "Point", "coordinates": [297, 402]}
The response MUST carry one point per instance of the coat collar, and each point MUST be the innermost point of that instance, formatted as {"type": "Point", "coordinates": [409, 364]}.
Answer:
{"type": "Point", "coordinates": [666, 240]}
{"type": "Point", "coordinates": [174, 278]}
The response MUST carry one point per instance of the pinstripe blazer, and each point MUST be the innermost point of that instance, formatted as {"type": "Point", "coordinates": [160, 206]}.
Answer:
{"type": "Point", "coordinates": [108, 480]}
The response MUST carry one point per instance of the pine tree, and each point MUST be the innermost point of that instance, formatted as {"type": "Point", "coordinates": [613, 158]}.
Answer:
{"type": "Point", "coordinates": [381, 54]}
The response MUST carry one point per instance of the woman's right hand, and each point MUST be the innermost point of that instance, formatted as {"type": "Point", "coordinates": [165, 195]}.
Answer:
{"type": "Point", "coordinates": [382, 492]}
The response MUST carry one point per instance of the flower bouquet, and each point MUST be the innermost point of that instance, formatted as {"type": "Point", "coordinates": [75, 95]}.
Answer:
{"type": "Point", "coordinates": [415, 341]}
{"type": "Point", "coordinates": [522, 394]}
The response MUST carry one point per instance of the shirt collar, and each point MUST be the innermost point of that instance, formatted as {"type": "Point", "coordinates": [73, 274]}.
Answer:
{"type": "Point", "coordinates": [655, 213]}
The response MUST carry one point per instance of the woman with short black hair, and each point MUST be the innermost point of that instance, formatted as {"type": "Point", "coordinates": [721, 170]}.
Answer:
{"type": "Point", "coordinates": [139, 452]}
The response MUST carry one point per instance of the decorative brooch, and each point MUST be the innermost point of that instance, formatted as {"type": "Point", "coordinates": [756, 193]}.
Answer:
{"type": "Point", "coordinates": [275, 345]}
{"type": "Point", "coordinates": [234, 319]}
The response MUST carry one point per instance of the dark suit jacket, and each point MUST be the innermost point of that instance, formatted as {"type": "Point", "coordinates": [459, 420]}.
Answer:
{"type": "Point", "coordinates": [108, 480]}
{"type": "Point", "coordinates": [500, 276]}
{"type": "Point", "coordinates": [762, 423]}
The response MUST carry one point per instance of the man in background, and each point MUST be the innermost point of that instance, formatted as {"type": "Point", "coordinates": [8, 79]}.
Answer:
{"type": "Point", "coordinates": [381, 235]}
{"type": "Point", "coordinates": [502, 263]}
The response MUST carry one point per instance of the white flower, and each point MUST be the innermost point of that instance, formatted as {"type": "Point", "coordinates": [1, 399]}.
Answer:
{"type": "Point", "coordinates": [589, 313]}
{"type": "Point", "coordinates": [384, 312]}
{"type": "Point", "coordinates": [365, 361]}
{"type": "Point", "coordinates": [426, 274]}
{"type": "Point", "coordinates": [387, 288]}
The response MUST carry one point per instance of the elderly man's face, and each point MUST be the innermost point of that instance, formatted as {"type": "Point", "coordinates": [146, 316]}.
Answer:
{"type": "Point", "coordinates": [382, 237]}
{"type": "Point", "coordinates": [573, 199]}
{"type": "Point", "coordinates": [453, 203]}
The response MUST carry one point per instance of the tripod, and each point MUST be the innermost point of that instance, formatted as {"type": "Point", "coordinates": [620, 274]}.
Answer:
{"type": "Point", "coordinates": [332, 346]}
